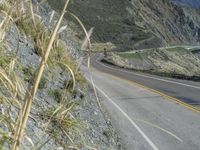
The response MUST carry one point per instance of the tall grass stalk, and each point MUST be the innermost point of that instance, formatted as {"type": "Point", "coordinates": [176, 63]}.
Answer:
{"type": "Point", "coordinates": [30, 95]}
{"type": "Point", "coordinates": [87, 44]}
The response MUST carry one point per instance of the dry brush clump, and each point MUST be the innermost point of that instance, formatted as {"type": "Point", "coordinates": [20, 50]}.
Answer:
{"type": "Point", "coordinates": [12, 93]}
{"type": "Point", "coordinates": [16, 98]}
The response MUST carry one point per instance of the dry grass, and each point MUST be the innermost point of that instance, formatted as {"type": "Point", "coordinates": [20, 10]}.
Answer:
{"type": "Point", "coordinates": [88, 46]}
{"type": "Point", "coordinates": [14, 94]}
{"type": "Point", "coordinates": [30, 95]}
{"type": "Point", "coordinates": [28, 23]}
{"type": "Point", "coordinates": [61, 122]}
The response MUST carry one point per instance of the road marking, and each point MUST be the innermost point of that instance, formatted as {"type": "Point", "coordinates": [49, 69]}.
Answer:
{"type": "Point", "coordinates": [180, 102]}
{"type": "Point", "coordinates": [159, 79]}
{"type": "Point", "coordinates": [173, 99]}
{"type": "Point", "coordinates": [143, 121]}
{"type": "Point", "coordinates": [154, 147]}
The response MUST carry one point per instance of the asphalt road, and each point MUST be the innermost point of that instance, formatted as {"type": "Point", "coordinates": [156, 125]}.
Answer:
{"type": "Point", "coordinates": [184, 90]}
{"type": "Point", "coordinates": [146, 119]}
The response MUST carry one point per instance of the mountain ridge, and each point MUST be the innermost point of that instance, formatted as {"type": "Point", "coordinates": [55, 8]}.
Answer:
{"type": "Point", "coordinates": [138, 24]}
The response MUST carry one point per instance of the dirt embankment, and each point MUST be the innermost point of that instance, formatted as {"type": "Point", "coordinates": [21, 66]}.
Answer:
{"type": "Point", "coordinates": [174, 62]}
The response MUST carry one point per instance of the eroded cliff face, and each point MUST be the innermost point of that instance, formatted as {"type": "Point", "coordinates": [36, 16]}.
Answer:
{"type": "Point", "coordinates": [173, 22]}
{"type": "Point", "coordinates": [136, 24]}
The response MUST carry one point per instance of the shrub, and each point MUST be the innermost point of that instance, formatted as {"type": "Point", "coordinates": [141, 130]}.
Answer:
{"type": "Point", "coordinates": [43, 82]}
{"type": "Point", "coordinates": [57, 94]}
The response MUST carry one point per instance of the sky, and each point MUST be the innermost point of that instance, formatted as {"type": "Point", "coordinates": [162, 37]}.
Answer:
{"type": "Point", "coordinates": [190, 3]}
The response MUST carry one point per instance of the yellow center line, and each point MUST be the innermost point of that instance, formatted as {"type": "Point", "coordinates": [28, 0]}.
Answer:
{"type": "Point", "coordinates": [173, 99]}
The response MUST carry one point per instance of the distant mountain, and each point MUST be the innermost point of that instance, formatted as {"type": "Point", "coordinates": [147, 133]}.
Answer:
{"type": "Point", "coordinates": [138, 24]}
{"type": "Point", "coordinates": [173, 23]}
{"type": "Point", "coordinates": [190, 3]}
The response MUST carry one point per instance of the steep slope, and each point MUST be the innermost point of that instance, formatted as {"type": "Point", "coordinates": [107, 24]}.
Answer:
{"type": "Point", "coordinates": [173, 23]}
{"type": "Point", "coordinates": [140, 23]}
{"type": "Point", "coordinates": [63, 114]}
{"type": "Point", "coordinates": [112, 22]}
{"type": "Point", "coordinates": [172, 62]}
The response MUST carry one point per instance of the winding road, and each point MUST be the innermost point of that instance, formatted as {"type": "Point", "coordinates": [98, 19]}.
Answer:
{"type": "Point", "coordinates": [149, 112]}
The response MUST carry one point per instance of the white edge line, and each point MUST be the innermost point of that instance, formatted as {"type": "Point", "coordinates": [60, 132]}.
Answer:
{"type": "Point", "coordinates": [196, 87]}
{"type": "Point", "coordinates": [162, 129]}
{"type": "Point", "coordinates": [129, 119]}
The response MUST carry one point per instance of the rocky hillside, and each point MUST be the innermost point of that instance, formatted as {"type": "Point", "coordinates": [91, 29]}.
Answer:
{"type": "Point", "coordinates": [64, 113]}
{"type": "Point", "coordinates": [175, 62]}
{"type": "Point", "coordinates": [171, 22]}
{"type": "Point", "coordinates": [140, 23]}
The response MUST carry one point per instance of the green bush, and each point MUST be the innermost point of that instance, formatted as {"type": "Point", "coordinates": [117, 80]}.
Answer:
{"type": "Point", "coordinates": [28, 73]}
{"type": "Point", "coordinates": [57, 94]}
{"type": "Point", "coordinates": [43, 83]}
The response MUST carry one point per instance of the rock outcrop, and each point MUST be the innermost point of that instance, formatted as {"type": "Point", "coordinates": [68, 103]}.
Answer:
{"type": "Point", "coordinates": [172, 62]}
{"type": "Point", "coordinates": [172, 22]}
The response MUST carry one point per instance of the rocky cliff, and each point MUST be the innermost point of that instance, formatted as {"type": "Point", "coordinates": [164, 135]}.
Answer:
{"type": "Point", "coordinates": [172, 22]}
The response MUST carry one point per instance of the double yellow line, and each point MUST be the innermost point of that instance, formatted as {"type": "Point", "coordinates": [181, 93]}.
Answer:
{"type": "Point", "coordinates": [160, 93]}
{"type": "Point", "coordinates": [173, 99]}
{"type": "Point", "coordinates": [168, 97]}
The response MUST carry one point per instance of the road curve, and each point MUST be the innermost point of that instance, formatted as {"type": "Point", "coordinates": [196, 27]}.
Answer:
{"type": "Point", "coordinates": [183, 90]}
{"type": "Point", "coordinates": [144, 119]}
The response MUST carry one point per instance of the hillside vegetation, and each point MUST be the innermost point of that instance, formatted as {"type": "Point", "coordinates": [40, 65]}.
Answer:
{"type": "Point", "coordinates": [138, 24]}
{"type": "Point", "coordinates": [174, 62]}
{"type": "Point", "coordinates": [45, 103]}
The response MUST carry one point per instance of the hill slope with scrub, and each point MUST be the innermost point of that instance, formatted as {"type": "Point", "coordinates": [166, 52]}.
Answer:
{"type": "Point", "coordinates": [64, 113]}
{"type": "Point", "coordinates": [138, 24]}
